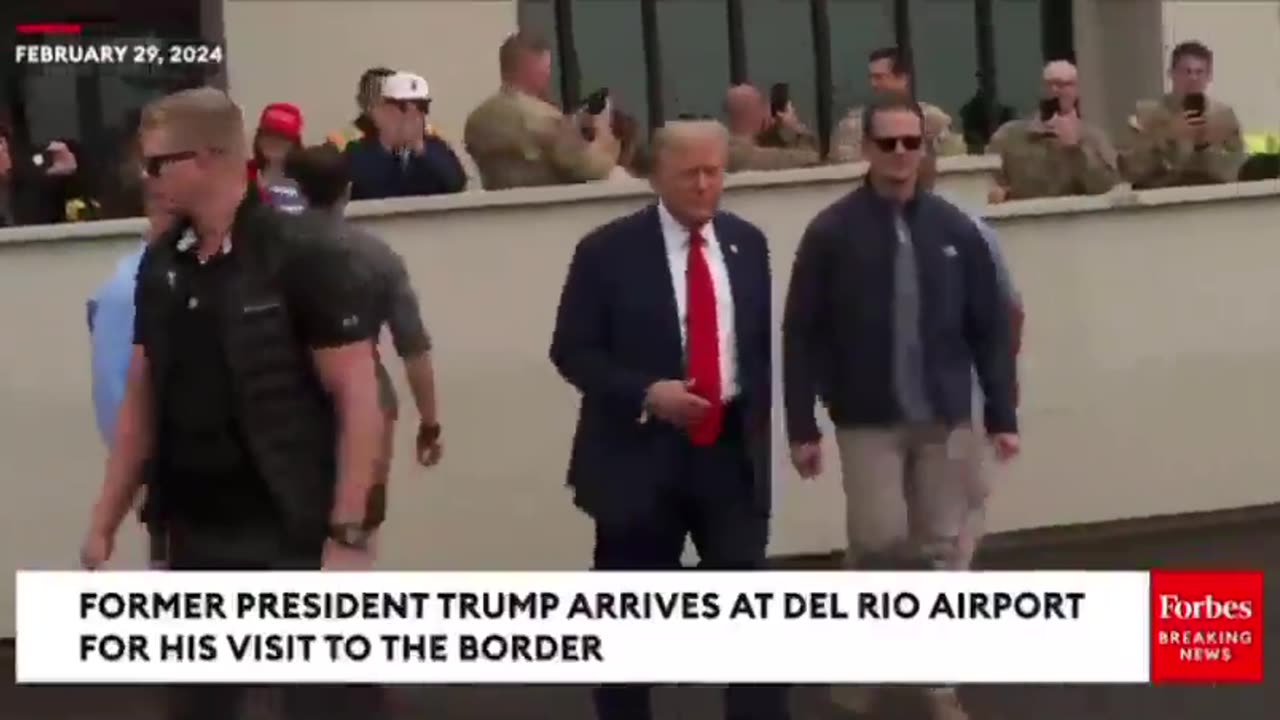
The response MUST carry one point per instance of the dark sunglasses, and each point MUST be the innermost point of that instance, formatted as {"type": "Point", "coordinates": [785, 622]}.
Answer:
{"type": "Point", "coordinates": [889, 144]}
{"type": "Point", "coordinates": [403, 105]}
{"type": "Point", "coordinates": [154, 164]}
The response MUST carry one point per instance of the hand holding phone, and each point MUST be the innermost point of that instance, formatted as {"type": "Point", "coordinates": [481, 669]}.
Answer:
{"type": "Point", "coordinates": [1049, 107]}
{"type": "Point", "coordinates": [1194, 103]}
{"type": "Point", "coordinates": [779, 98]}
{"type": "Point", "coordinates": [597, 102]}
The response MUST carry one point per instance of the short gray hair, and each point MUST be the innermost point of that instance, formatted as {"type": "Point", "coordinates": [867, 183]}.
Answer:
{"type": "Point", "coordinates": [678, 133]}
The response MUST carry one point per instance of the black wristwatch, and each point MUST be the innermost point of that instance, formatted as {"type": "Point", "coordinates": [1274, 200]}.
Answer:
{"type": "Point", "coordinates": [350, 535]}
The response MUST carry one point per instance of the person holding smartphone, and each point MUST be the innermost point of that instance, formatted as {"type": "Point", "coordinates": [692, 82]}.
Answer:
{"type": "Point", "coordinates": [404, 158]}
{"type": "Point", "coordinates": [1184, 137]}
{"type": "Point", "coordinates": [518, 138]}
{"type": "Point", "coordinates": [1055, 152]}
{"type": "Point", "coordinates": [751, 120]}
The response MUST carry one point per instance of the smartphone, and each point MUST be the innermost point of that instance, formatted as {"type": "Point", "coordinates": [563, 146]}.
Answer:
{"type": "Point", "coordinates": [779, 98]}
{"type": "Point", "coordinates": [596, 101]}
{"type": "Point", "coordinates": [1194, 103]}
{"type": "Point", "coordinates": [1048, 108]}
{"type": "Point", "coordinates": [41, 160]}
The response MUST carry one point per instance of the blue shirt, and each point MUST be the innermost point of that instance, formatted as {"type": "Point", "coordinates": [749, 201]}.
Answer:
{"type": "Point", "coordinates": [110, 316]}
{"type": "Point", "coordinates": [1003, 276]}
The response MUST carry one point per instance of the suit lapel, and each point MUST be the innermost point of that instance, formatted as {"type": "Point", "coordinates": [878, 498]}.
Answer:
{"type": "Point", "coordinates": [653, 263]}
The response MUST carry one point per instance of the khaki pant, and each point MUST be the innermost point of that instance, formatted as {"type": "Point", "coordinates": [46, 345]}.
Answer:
{"type": "Point", "coordinates": [910, 487]}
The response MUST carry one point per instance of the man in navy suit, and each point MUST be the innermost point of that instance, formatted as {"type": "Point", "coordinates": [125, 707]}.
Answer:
{"type": "Point", "coordinates": [664, 326]}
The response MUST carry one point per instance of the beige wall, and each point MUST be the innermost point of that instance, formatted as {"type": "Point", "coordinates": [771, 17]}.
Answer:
{"type": "Point", "coordinates": [1119, 51]}
{"type": "Point", "coordinates": [311, 52]}
{"type": "Point", "coordinates": [1149, 369]}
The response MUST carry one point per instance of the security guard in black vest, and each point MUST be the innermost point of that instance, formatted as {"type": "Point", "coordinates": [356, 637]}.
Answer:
{"type": "Point", "coordinates": [251, 408]}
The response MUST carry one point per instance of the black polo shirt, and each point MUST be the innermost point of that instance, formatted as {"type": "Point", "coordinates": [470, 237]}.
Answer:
{"type": "Point", "coordinates": [202, 457]}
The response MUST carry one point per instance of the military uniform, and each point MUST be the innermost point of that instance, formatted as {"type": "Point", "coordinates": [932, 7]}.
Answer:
{"type": "Point", "coordinates": [518, 140]}
{"type": "Point", "coordinates": [788, 149]}
{"type": "Point", "coordinates": [846, 144]}
{"type": "Point", "coordinates": [1155, 157]}
{"type": "Point", "coordinates": [1034, 165]}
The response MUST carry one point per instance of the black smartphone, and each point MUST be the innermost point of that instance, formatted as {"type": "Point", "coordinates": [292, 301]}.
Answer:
{"type": "Point", "coordinates": [779, 97]}
{"type": "Point", "coordinates": [1194, 103]}
{"type": "Point", "coordinates": [596, 101]}
{"type": "Point", "coordinates": [1048, 108]}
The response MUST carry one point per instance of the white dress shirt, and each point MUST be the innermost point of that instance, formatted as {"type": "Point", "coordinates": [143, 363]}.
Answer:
{"type": "Point", "coordinates": [676, 237]}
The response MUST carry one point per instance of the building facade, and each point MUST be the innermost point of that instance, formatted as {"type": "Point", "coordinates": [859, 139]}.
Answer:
{"type": "Point", "coordinates": [660, 58]}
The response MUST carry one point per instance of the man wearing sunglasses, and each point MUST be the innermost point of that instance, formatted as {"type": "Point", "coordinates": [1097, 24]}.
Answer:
{"type": "Point", "coordinates": [405, 157]}
{"type": "Point", "coordinates": [893, 303]}
{"type": "Point", "coordinates": [250, 407]}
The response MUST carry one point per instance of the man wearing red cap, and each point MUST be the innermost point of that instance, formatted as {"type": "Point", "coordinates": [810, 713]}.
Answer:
{"type": "Point", "coordinates": [279, 131]}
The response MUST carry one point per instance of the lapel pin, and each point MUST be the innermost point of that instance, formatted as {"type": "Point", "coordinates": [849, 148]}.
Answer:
{"type": "Point", "coordinates": [733, 249]}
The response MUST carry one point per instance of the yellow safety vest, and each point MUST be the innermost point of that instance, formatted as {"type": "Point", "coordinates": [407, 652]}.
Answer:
{"type": "Point", "coordinates": [1262, 143]}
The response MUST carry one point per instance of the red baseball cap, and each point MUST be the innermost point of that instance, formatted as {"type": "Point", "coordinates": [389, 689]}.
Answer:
{"type": "Point", "coordinates": [283, 119]}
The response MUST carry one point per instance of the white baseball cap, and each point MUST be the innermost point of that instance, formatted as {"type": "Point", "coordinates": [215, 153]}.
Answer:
{"type": "Point", "coordinates": [405, 86]}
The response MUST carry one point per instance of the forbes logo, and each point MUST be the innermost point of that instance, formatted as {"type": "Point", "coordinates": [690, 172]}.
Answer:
{"type": "Point", "coordinates": [1176, 607]}
{"type": "Point", "coordinates": [1206, 627]}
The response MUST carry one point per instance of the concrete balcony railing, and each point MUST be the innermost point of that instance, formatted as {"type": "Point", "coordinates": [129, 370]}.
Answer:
{"type": "Point", "coordinates": [1148, 368]}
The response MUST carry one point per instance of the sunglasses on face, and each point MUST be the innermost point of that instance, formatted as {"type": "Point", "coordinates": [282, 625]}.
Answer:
{"type": "Point", "coordinates": [424, 106]}
{"type": "Point", "coordinates": [155, 164]}
{"type": "Point", "coordinates": [889, 144]}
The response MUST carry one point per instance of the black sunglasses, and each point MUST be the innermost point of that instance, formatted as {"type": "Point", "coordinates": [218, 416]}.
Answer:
{"type": "Point", "coordinates": [889, 144]}
{"type": "Point", "coordinates": [154, 164]}
{"type": "Point", "coordinates": [403, 105]}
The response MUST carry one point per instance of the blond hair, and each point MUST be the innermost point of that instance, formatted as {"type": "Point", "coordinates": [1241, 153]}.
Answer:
{"type": "Point", "coordinates": [681, 133]}
{"type": "Point", "coordinates": [203, 118]}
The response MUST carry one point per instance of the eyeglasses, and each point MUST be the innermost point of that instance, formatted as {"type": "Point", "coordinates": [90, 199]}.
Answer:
{"type": "Point", "coordinates": [154, 164]}
{"type": "Point", "coordinates": [889, 144]}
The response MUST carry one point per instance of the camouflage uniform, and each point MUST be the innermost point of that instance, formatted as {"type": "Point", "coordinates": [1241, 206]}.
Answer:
{"type": "Point", "coordinates": [1034, 165]}
{"type": "Point", "coordinates": [846, 143]}
{"type": "Point", "coordinates": [1155, 157]}
{"type": "Point", "coordinates": [517, 140]}
{"type": "Point", "coordinates": [786, 149]}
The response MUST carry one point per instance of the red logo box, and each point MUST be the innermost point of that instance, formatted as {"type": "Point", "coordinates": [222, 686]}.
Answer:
{"type": "Point", "coordinates": [1206, 627]}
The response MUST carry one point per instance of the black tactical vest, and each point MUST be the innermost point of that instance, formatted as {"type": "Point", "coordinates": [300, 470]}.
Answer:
{"type": "Point", "coordinates": [287, 417]}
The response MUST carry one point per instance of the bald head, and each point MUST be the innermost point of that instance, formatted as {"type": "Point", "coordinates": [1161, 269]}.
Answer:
{"type": "Point", "coordinates": [745, 107]}
{"type": "Point", "coordinates": [689, 158]}
{"type": "Point", "coordinates": [1060, 71]}
{"type": "Point", "coordinates": [1061, 83]}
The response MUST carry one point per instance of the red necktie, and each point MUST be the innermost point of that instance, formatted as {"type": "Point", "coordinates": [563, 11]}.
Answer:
{"type": "Point", "coordinates": [702, 341]}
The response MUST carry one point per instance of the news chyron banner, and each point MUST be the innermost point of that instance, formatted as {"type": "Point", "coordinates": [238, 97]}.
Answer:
{"type": "Point", "coordinates": [607, 627]}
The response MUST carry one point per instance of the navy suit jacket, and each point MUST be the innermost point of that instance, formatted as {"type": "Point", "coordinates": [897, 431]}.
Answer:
{"type": "Point", "coordinates": [617, 331]}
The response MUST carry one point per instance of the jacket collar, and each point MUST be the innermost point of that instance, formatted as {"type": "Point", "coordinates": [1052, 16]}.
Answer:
{"type": "Point", "coordinates": [869, 195]}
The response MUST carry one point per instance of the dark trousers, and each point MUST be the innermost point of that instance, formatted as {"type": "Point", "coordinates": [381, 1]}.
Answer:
{"type": "Point", "coordinates": [242, 549]}
{"type": "Point", "coordinates": [711, 501]}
